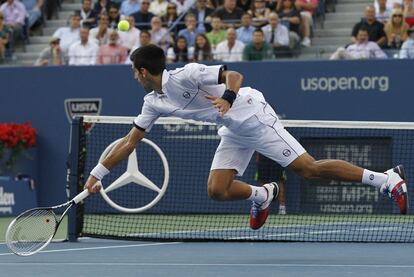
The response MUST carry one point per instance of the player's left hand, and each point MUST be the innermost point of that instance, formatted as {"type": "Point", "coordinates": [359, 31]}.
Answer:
{"type": "Point", "coordinates": [222, 105]}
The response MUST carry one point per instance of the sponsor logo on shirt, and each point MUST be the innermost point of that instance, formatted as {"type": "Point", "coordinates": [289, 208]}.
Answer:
{"type": "Point", "coordinates": [286, 153]}
{"type": "Point", "coordinates": [186, 94]}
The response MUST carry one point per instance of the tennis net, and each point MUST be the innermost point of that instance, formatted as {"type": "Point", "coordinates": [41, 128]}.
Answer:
{"type": "Point", "coordinates": [315, 211]}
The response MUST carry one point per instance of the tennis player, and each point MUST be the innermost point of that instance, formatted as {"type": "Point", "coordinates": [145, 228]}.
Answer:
{"type": "Point", "coordinates": [214, 94]}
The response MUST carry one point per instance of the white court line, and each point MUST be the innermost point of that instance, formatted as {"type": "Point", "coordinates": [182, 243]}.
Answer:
{"type": "Point", "coordinates": [101, 247]}
{"type": "Point", "coordinates": [208, 264]}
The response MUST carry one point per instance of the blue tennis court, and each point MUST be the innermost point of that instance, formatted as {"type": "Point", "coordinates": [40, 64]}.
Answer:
{"type": "Point", "coordinates": [98, 257]}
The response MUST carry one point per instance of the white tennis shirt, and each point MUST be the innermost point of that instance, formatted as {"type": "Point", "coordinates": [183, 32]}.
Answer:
{"type": "Point", "coordinates": [183, 95]}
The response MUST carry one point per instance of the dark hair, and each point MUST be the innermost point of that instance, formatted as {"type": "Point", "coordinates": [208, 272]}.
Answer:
{"type": "Point", "coordinates": [206, 50]}
{"type": "Point", "coordinates": [181, 55]}
{"type": "Point", "coordinates": [150, 57]}
{"type": "Point", "coordinates": [258, 30]}
{"type": "Point", "coordinates": [363, 28]}
{"type": "Point", "coordinates": [145, 32]}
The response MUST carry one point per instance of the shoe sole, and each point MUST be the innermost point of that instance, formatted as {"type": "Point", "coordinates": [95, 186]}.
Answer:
{"type": "Point", "coordinates": [399, 169]}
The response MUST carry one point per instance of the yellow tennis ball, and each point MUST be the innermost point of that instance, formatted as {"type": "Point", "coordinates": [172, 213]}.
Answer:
{"type": "Point", "coordinates": [123, 25]}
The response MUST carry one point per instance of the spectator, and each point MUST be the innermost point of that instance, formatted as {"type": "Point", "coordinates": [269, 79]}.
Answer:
{"type": "Point", "coordinates": [271, 4]}
{"type": "Point", "coordinates": [5, 34]}
{"type": "Point", "coordinates": [102, 7]}
{"type": "Point", "coordinates": [89, 17]}
{"type": "Point", "coordinates": [230, 14]}
{"type": "Point", "coordinates": [259, 13]}
{"type": "Point", "coordinates": [203, 16]}
{"type": "Point", "coordinates": [190, 32]}
{"type": "Point", "coordinates": [289, 15]}
{"type": "Point", "coordinates": [183, 5]}
{"type": "Point", "coordinates": [170, 18]}
{"type": "Point", "coordinates": [68, 35]}
{"type": "Point", "coordinates": [230, 50]}
{"type": "Point", "coordinates": [179, 53]}
{"type": "Point", "coordinates": [407, 49]}
{"type": "Point", "coordinates": [245, 5]}
{"type": "Point", "coordinates": [100, 34]}
{"type": "Point", "coordinates": [277, 35]}
{"type": "Point", "coordinates": [114, 16]}
{"type": "Point", "coordinates": [158, 7]}
{"type": "Point", "coordinates": [382, 12]}
{"type": "Point", "coordinates": [214, 4]}
{"type": "Point", "coordinates": [159, 34]}
{"type": "Point", "coordinates": [270, 171]}
{"type": "Point", "coordinates": [14, 14]}
{"type": "Point", "coordinates": [245, 31]}
{"type": "Point", "coordinates": [34, 11]}
{"type": "Point", "coordinates": [202, 49]}
{"type": "Point", "coordinates": [129, 7]}
{"type": "Point", "coordinates": [129, 38]}
{"type": "Point", "coordinates": [307, 8]}
{"type": "Point", "coordinates": [258, 49]}
{"type": "Point", "coordinates": [391, 4]}
{"type": "Point", "coordinates": [408, 8]}
{"type": "Point", "coordinates": [362, 49]}
{"type": "Point", "coordinates": [217, 34]}
{"type": "Point", "coordinates": [396, 29]}
{"type": "Point", "coordinates": [144, 39]}
{"type": "Point", "coordinates": [51, 55]}
{"type": "Point", "coordinates": [113, 52]}
{"type": "Point", "coordinates": [143, 16]}
{"type": "Point", "coordinates": [374, 27]}
{"type": "Point", "coordinates": [84, 51]}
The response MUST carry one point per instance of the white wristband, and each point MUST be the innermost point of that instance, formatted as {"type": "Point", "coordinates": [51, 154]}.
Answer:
{"type": "Point", "coordinates": [99, 171]}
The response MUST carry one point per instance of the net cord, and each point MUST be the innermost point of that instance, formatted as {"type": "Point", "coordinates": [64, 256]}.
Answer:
{"type": "Point", "coordinates": [287, 123]}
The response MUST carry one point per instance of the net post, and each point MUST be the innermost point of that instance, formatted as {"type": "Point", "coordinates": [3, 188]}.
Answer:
{"type": "Point", "coordinates": [75, 169]}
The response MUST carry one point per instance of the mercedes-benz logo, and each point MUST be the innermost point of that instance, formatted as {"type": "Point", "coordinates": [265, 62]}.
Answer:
{"type": "Point", "coordinates": [133, 175]}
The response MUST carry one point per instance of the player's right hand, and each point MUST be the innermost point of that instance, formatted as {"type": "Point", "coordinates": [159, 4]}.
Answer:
{"type": "Point", "coordinates": [91, 185]}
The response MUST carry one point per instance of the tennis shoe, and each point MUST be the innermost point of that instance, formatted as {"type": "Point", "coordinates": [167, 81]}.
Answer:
{"type": "Point", "coordinates": [396, 188]}
{"type": "Point", "coordinates": [260, 211]}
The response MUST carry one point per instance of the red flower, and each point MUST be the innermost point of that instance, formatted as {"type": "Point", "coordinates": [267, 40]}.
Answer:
{"type": "Point", "coordinates": [15, 137]}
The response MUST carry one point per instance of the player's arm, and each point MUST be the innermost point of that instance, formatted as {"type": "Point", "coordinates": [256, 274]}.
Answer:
{"type": "Point", "coordinates": [120, 152]}
{"type": "Point", "coordinates": [233, 81]}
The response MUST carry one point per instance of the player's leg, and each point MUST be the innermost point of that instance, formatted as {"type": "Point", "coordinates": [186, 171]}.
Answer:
{"type": "Point", "coordinates": [222, 186]}
{"type": "Point", "coordinates": [231, 159]}
{"type": "Point", "coordinates": [390, 183]}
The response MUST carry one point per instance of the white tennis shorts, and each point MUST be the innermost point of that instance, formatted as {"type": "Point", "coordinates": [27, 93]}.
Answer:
{"type": "Point", "coordinates": [263, 133]}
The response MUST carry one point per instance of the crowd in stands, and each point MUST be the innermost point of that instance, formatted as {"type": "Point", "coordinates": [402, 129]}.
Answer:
{"type": "Point", "coordinates": [187, 30]}
{"type": "Point", "coordinates": [382, 33]}
{"type": "Point", "coordinates": [203, 30]}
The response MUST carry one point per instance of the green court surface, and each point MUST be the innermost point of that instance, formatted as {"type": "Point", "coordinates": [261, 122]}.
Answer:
{"type": "Point", "coordinates": [60, 235]}
{"type": "Point", "coordinates": [287, 227]}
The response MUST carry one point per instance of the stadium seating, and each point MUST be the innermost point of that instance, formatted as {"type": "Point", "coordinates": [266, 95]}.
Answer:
{"type": "Point", "coordinates": [327, 37]}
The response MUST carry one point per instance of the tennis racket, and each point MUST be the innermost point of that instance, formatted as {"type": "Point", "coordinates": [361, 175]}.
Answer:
{"type": "Point", "coordinates": [34, 229]}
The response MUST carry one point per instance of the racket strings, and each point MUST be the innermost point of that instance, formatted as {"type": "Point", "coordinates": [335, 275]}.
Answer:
{"type": "Point", "coordinates": [31, 231]}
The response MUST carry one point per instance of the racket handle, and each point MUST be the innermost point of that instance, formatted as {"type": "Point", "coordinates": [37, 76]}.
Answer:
{"type": "Point", "coordinates": [84, 194]}
{"type": "Point", "coordinates": [80, 196]}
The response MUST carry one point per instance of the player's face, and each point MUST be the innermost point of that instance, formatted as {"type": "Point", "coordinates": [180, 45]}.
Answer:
{"type": "Point", "coordinates": [142, 79]}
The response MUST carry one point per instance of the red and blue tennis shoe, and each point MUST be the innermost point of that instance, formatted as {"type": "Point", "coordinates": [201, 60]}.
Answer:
{"type": "Point", "coordinates": [260, 211]}
{"type": "Point", "coordinates": [396, 188]}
